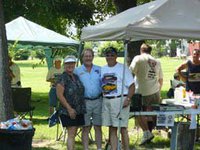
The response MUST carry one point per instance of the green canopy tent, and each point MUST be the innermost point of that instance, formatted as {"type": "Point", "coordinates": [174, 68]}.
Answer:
{"type": "Point", "coordinates": [30, 33]}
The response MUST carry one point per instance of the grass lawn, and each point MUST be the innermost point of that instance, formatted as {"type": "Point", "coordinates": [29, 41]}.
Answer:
{"type": "Point", "coordinates": [44, 138]}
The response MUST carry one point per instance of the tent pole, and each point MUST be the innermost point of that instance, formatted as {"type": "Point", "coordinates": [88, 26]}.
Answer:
{"type": "Point", "coordinates": [122, 93]}
{"type": "Point", "coordinates": [80, 49]}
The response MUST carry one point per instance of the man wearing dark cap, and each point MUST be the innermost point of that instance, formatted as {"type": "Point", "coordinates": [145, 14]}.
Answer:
{"type": "Point", "coordinates": [116, 105]}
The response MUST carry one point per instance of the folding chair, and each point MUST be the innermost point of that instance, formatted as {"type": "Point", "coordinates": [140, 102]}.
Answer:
{"type": "Point", "coordinates": [62, 135]}
{"type": "Point", "coordinates": [22, 101]}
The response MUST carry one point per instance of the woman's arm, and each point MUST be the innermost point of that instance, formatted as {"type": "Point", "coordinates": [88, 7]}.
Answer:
{"type": "Point", "coordinates": [63, 101]}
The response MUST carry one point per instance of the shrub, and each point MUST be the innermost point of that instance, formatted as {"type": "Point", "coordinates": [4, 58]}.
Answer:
{"type": "Point", "coordinates": [22, 54]}
{"type": "Point", "coordinates": [40, 54]}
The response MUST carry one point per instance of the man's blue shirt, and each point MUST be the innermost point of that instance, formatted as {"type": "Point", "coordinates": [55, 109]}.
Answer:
{"type": "Point", "coordinates": [91, 80]}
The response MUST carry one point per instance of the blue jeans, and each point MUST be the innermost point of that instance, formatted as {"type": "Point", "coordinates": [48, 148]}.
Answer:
{"type": "Point", "coordinates": [53, 97]}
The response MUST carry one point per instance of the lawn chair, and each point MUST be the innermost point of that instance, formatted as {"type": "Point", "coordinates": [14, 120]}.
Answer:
{"type": "Point", "coordinates": [61, 135]}
{"type": "Point", "coordinates": [22, 101]}
{"type": "Point", "coordinates": [170, 92]}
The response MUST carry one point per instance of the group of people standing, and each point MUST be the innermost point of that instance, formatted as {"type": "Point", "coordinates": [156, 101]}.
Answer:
{"type": "Point", "coordinates": [101, 96]}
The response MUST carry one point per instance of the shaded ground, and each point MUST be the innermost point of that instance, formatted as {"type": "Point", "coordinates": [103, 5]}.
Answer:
{"type": "Point", "coordinates": [42, 143]}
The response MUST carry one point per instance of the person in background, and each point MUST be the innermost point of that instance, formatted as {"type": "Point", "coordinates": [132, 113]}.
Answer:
{"type": "Point", "coordinates": [14, 72]}
{"type": "Point", "coordinates": [176, 82]}
{"type": "Point", "coordinates": [116, 105]}
{"type": "Point", "coordinates": [192, 77]}
{"type": "Point", "coordinates": [70, 92]}
{"type": "Point", "coordinates": [90, 76]}
{"type": "Point", "coordinates": [150, 79]}
{"type": "Point", "coordinates": [51, 77]}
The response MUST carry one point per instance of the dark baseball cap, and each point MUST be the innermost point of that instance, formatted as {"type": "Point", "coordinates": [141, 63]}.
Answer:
{"type": "Point", "coordinates": [111, 50]}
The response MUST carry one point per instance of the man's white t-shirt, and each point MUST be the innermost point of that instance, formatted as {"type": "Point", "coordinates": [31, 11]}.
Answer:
{"type": "Point", "coordinates": [112, 79]}
{"type": "Point", "coordinates": [148, 71]}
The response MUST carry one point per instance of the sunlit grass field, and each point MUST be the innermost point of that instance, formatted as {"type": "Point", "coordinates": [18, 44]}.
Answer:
{"type": "Point", "coordinates": [36, 79]}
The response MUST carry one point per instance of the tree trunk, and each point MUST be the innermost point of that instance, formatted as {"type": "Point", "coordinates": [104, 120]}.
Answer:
{"type": "Point", "coordinates": [133, 47]}
{"type": "Point", "coordinates": [6, 105]}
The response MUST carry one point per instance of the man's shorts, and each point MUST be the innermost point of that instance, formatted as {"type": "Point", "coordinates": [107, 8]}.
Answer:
{"type": "Point", "coordinates": [93, 112]}
{"type": "Point", "coordinates": [151, 99]}
{"type": "Point", "coordinates": [111, 115]}
{"type": "Point", "coordinates": [53, 97]}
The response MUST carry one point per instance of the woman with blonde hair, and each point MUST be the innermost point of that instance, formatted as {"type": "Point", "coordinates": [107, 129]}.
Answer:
{"type": "Point", "coordinates": [70, 92]}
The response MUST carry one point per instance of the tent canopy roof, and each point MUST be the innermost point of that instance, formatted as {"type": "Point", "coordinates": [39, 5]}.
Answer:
{"type": "Point", "coordinates": [160, 19]}
{"type": "Point", "coordinates": [27, 32]}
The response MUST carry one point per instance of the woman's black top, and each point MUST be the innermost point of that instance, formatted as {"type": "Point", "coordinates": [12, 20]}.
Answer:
{"type": "Point", "coordinates": [73, 92]}
{"type": "Point", "coordinates": [193, 78]}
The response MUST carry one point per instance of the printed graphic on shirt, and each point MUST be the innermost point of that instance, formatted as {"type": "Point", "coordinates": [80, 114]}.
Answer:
{"type": "Point", "coordinates": [97, 71]}
{"type": "Point", "coordinates": [109, 83]}
{"type": "Point", "coordinates": [151, 73]}
{"type": "Point", "coordinates": [56, 77]}
{"type": "Point", "coordinates": [194, 77]}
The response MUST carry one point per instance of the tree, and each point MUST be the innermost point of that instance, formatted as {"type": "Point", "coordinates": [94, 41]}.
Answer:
{"type": "Point", "coordinates": [6, 106]}
{"type": "Point", "coordinates": [57, 14]}
{"type": "Point", "coordinates": [133, 47]}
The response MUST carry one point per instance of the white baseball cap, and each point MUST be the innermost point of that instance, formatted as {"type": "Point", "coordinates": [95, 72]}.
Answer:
{"type": "Point", "coordinates": [57, 58]}
{"type": "Point", "coordinates": [70, 58]}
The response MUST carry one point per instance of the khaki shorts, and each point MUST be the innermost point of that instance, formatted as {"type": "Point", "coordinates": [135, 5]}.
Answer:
{"type": "Point", "coordinates": [93, 112]}
{"type": "Point", "coordinates": [110, 113]}
{"type": "Point", "coordinates": [151, 99]}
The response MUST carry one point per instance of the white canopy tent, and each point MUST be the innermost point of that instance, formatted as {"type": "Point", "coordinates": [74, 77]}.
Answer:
{"type": "Point", "coordinates": [160, 19]}
{"type": "Point", "coordinates": [28, 32]}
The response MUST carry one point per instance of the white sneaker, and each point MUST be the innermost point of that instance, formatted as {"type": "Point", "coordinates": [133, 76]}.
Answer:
{"type": "Point", "coordinates": [147, 137]}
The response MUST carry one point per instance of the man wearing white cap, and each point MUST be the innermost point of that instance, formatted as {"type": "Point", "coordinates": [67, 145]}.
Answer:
{"type": "Point", "coordinates": [51, 77]}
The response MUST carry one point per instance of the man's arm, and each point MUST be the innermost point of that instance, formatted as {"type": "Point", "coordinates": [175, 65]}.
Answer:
{"type": "Point", "coordinates": [179, 69]}
{"type": "Point", "coordinates": [160, 82]}
{"type": "Point", "coordinates": [131, 91]}
{"type": "Point", "coordinates": [50, 77]}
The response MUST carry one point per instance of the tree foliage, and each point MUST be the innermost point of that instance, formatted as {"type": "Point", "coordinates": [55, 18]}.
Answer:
{"type": "Point", "coordinates": [56, 14]}
{"type": "Point", "coordinates": [118, 45]}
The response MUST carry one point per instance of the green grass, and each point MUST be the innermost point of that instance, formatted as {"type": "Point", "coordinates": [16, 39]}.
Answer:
{"type": "Point", "coordinates": [36, 79]}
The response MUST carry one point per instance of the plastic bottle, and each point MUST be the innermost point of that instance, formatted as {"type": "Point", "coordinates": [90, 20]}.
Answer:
{"type": "Point", "coordinates": [179, 94]}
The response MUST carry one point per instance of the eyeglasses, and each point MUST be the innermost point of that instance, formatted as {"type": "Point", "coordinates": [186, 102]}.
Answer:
{"type": "Point", "coordinates": [110, 55]}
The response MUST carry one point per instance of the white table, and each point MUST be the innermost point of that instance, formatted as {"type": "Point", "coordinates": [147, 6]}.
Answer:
{"type": "Point", "coordinates": [175, 112]}
{"type": "Point", "coordinates": [187, 111]}
{"type": "Point", "coordinates": [175, 102]}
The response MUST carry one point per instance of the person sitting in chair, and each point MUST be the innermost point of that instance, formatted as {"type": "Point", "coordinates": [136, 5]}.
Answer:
{"type": "Point", "coordinates": [176, 82]}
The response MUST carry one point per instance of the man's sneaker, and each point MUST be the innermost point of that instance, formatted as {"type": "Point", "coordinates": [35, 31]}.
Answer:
{"type": "Point", "coordinates": [147, 137]}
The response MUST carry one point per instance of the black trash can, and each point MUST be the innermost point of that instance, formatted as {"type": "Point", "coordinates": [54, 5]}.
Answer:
{"type": "Point", "coordinates": [16, 139]}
